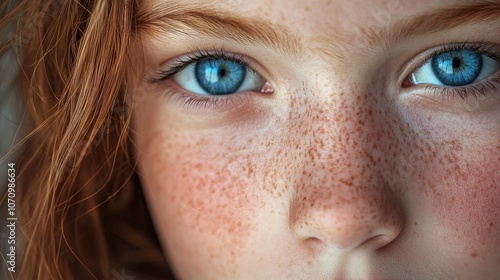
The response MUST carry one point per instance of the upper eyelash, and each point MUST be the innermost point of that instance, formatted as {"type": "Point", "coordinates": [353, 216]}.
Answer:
{"type": "Point", "coordinates": [479, 47]}
{"type": "Point", "coordinates": [198, 55]}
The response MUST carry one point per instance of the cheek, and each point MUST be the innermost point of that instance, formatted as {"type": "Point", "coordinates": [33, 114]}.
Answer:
{"type": "Point", "coordinates": [459, 182]}
{"type": "Point", "coordinates": [206, 189]}
{"type": "Point", "coordinates": [200, 196]}
{"type": "Point", "coordinates": [468, 203]}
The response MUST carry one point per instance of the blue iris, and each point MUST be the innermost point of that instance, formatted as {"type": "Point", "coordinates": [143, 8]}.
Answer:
{"type": "Point", "coordinates": [220, 76]}
{"type": "Point", "coordinates": [457, 68]}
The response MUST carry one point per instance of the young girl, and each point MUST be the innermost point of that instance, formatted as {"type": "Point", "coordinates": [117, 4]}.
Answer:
{"type": "Point", "coordinates": [259, 139]}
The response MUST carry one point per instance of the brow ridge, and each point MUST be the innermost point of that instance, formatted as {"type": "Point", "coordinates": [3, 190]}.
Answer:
{"type": "Point", "coordinates": [433, 22]}
{"type": "Point", "coordinates": [225, 25]}
{"type": "Point", "coordinates": [190, 20]}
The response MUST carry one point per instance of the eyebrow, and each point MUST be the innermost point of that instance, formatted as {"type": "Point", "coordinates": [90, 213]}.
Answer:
{"type": "Point", "coordinates": [435, 21]}
{"type": "Point", "coordinates": [170, 17]}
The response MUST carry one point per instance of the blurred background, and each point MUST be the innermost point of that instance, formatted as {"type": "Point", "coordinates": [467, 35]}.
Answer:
{"type": "Point", "coordinates": [11, 130]}
{"type": "Point", "coordinates": [11, 109]}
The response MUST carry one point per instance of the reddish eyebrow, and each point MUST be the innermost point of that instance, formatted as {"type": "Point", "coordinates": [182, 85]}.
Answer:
{"type": "Point", "coordinates": [171, 17]}
{"type": "Point", "coordinates": [435, 21]}
{"type": "Point", "coordinates": [191, 20]}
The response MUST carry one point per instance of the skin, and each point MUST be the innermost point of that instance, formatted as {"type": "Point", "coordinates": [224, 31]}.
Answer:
{"type": "Point", "coordinates": [340, 173]}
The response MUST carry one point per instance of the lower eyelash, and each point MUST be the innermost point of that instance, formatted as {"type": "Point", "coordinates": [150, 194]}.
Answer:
{"type": "Point", "coordinates": [481, 88]}
{"type": "Point", "coordinates": [199, 102]}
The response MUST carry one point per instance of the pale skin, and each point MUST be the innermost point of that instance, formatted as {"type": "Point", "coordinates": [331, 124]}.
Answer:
{"type": "Point", "coordinates": [339, 171]}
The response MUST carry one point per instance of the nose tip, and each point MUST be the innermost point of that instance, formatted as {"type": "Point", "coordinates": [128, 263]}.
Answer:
{"type": "Point", "coordinates": [351, 229]}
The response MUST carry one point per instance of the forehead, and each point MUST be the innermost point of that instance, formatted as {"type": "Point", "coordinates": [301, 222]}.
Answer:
{"type": "Point", "coordinates": [306, 14]}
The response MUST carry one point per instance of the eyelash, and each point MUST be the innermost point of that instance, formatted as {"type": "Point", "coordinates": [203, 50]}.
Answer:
{"type": "Point", "coordinates": [198, 101]}
{"type": "Point", "coordinates": [464, 92]}
{"type": "Point", "coordinates": [198, 55]}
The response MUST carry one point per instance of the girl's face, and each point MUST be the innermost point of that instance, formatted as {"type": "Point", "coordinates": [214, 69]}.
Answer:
{"type": "Point", "coordinates": [322, 139]}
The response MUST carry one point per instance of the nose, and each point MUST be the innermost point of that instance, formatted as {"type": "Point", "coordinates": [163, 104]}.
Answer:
{"type": "Point", "coordinates": [342, 198]}
{"type": "Point", "coordinates": [364, 221]}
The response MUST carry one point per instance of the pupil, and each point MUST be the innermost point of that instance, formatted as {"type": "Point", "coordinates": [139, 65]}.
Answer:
{"type": "Point", "coordinates": [456, 62]}
{"type": "Point", "coordinates": [222, 72]}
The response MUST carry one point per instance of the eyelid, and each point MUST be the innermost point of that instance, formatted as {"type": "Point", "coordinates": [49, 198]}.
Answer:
{"type": "Point", "coordinates": [176, 65]}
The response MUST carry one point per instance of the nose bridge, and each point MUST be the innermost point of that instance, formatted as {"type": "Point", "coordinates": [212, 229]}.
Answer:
{"type": "Point", "coordinates": [348, 140]}
{"type": "Point", "coordinates": [341, 197]}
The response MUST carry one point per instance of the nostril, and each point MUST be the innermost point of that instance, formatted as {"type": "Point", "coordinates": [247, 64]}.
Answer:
{"type": "Point", "coordinates": [315, 244]}
{"type": "Point", "coordinates": [376, 242]}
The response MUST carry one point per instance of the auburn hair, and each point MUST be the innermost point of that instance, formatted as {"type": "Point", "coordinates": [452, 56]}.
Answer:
{"type": "Point", "coordinates": [82, 213]}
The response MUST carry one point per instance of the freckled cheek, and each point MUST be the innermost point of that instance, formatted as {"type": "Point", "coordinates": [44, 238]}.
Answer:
{"type": "Point", "coordinates": [207, 193]}
{"type": "Point", "coordinates": [204, 178]}
{"type": "Point", "coordinates": [462, 189]}
{"type": "Point", "coordinates": [456, 179]}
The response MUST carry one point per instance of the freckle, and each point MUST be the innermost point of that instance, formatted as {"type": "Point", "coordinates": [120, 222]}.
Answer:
{"type": "Point", "coordinates": [473, 255]}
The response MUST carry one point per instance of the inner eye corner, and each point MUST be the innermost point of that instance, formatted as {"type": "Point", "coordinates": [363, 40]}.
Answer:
{"type": "Point", "coordinates": [267, 88]}
{"type": "Point", "coordinates": [407, 82]}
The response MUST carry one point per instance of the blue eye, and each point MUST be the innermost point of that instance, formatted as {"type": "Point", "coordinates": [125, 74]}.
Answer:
{"type": "Point", "coordinates": [219, 76]}
{"type": "Point", "coordinates": [455, 68]}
